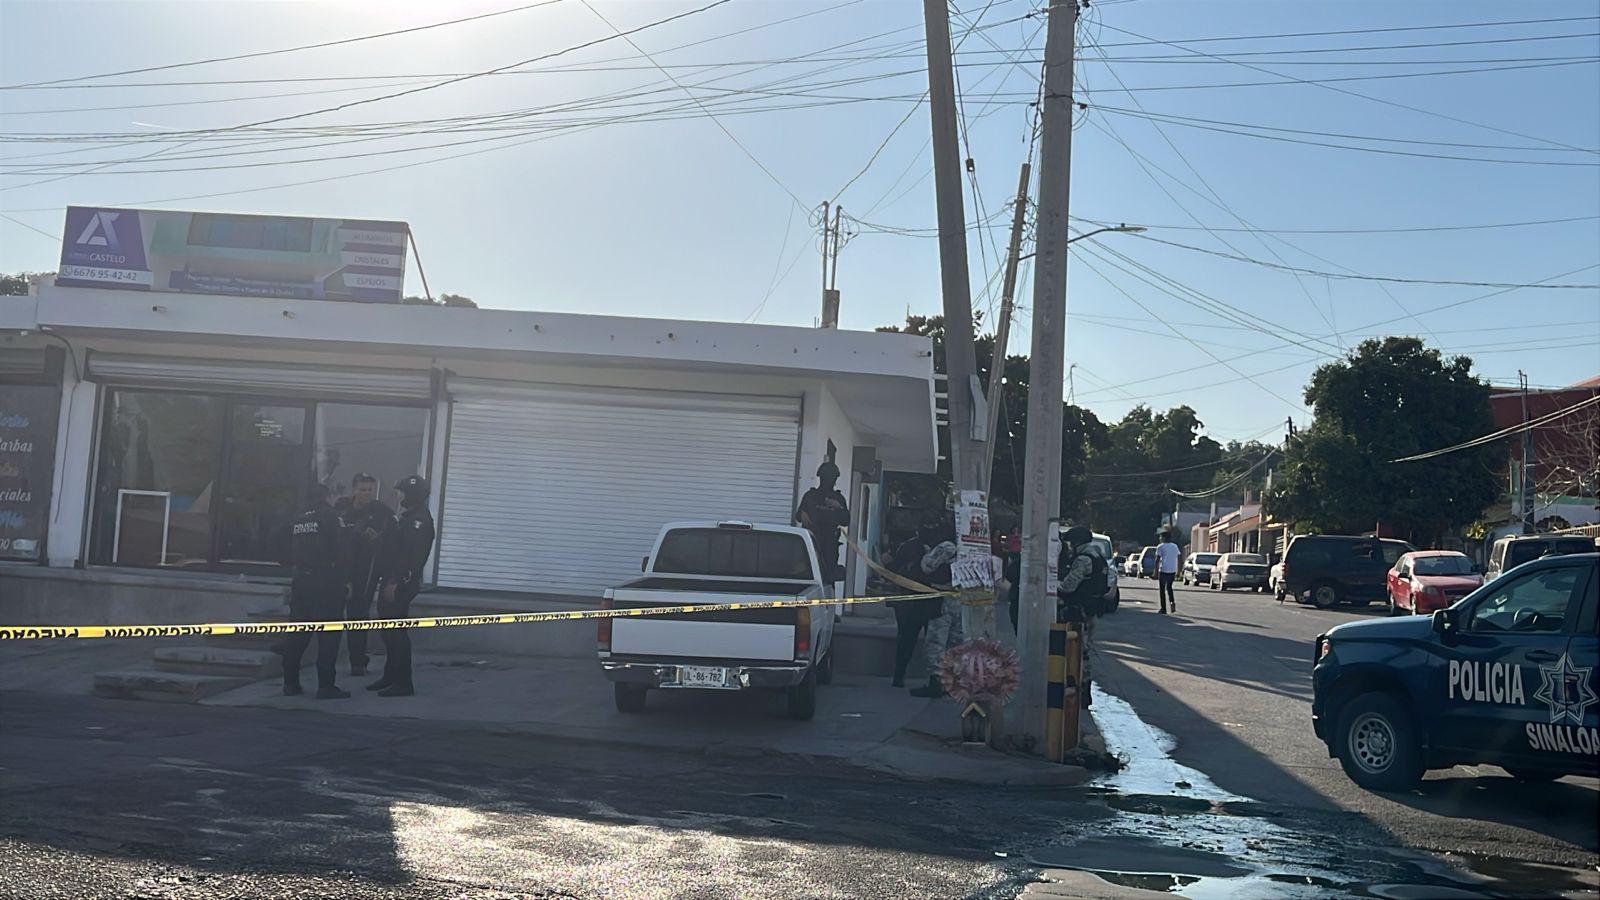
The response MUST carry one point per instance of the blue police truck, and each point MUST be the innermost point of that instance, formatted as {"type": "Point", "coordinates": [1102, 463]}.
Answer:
{"type": "Point", "coordinates": [1508, 675]}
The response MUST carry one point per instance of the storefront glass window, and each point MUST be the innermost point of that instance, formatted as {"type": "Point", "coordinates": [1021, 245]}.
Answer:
{"type": "Point", "coordinates": [159, 459]}
{"type": "Point", "coordinates": [28, 416]}
{"type": "Point", "coordinates": [383, 441]}
{"type": "Point", "coordinates": [264, 481]}
{"type": "Point", "coordinates": [197, 481]}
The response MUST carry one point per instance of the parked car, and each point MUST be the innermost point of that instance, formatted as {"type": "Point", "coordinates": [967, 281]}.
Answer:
{"type": "Point", "coordinates": [1113, 589]}
{"type": "Point", "coordinates": [1275, 580]}
{"type": "Point", "coordinates": [1148, 563]}
{"type": "Point", "coordinates": [1130, 566]}
{"type": "Point", "coordinates": [1427, 580]}
{"type": "Point", "coordinates": [1514, 550]}
{"type": "Point", "coordinates": [789, 650]}
{"type": "Point", "coordinates": [1241, 570]}
{"type": "Point", "coordinates": [1197, 568]}
{"type": "Point", "coordinates": [1508, 675]}
{"type": "Point", "coordinates": [1329, 569]}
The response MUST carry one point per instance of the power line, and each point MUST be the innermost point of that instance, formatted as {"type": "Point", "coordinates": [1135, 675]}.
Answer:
{"type": "Point", "coordinates": [1348, 92]}
{"type": "Point", "coordinates": [736, 142]}
{"type": "Point", "coordinates": [1388, 278]}
{"type": "Point", "coordinates": [1411, 229]}
{"type": "Point", "coordinates": [258, 54]}
{"type": "Point", "coordinates": [1212, 492]}
{"type": "Point", "coordinates": [1504, 432]}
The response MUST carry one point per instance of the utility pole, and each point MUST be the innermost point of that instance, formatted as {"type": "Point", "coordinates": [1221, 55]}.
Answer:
{"type": "Point", "coordinates": [1042, 490]}
{"type": "Point", "coordinates": [830, 292]}
{"type": "Point", "coordinates": [1002, 331]}
{"type": "Point", "coordinates": [1524, 495]}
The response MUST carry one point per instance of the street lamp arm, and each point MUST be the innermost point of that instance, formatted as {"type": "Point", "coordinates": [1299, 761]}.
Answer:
{"type": "Point", "coordinates": [1120, 229]}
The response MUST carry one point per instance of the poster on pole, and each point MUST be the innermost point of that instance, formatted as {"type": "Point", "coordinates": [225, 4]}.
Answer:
{"type": "Point", "coordinates": [1054, 556]}
{"type": "Point", "coordinates": [972, 568]}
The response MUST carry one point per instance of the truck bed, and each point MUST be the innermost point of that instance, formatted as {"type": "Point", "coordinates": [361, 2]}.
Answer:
{"type": "Point", "coordinates": [741, 634]}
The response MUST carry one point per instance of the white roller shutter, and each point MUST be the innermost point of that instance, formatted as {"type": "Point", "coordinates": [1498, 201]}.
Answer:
{"type": "Point", "coordinates": [263, 377]}
{"type": "Point", "coordinates": [563, 489]}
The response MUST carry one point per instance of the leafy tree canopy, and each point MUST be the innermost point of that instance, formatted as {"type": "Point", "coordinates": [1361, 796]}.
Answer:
{"type": "Point", "coordinates": [1387, 399]}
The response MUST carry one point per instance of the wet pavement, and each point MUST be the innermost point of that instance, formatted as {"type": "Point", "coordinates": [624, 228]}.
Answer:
{"type": "Point", "coordinates": [1175, 831]}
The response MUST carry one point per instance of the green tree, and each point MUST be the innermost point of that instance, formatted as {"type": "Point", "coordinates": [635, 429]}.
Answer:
{"type": "Point", "coordinates": [1388, 399]}
{"type": "Point", "coordinates": [1081, 431]}
{"type": "Point", "coordinates": [1147, 456]}
{"type": "Point", "coordinates": [14, 285]}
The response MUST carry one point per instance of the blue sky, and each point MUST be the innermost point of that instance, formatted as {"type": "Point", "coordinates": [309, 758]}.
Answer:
{"type": "Point", "coordinates": [674, 218]}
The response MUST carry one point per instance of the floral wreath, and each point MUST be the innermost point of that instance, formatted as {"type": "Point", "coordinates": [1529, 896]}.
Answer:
{"type": "Point", "coordinates": [980, 670]}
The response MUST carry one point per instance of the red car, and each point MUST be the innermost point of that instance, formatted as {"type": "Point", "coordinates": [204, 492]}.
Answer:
{"type": "Point", "coordinates": [1427, 580]}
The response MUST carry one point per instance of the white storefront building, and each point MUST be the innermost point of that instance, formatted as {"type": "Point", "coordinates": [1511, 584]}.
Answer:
{"type": "Point", "coordinates": [190, 425]}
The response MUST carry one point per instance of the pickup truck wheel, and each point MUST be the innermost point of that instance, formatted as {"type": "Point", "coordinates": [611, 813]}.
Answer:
{"type": "Point", "coordinates": [825, 668]}
{"type": "Point", "coordinates": [1377, 743]}
{"type": "Point", "coordinates": [801, 700]}
{"type": "Point", "coordinates": [1326, 595]}
{"type": "Point", "coordinates": [630, 697]}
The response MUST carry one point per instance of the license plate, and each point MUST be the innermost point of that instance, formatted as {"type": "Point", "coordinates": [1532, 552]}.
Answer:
{"type": "Point", "coordinates": [702, 676]}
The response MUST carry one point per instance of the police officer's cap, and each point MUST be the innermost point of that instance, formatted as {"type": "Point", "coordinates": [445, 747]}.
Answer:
{"type": "Point", "coordinates": [412, 486]}
{"type": "Point", "coordinates": [828, 470]}
{"type": "Point", "coordinates": [1078, 535]}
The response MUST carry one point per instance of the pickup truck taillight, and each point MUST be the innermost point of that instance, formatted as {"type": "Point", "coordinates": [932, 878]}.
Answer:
{"type": "Point", "coordinates": [603, 632]}
{"type": "Point", "coordinates": [802, 632]}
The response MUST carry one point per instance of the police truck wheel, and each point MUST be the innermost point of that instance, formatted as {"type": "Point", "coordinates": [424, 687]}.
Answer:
{"type": "Point", "coordinates": [1377, 743]}
{"type": "Point", "coordinates": [630, 697]}
{"type": "Point", "coordinates": [800, 701]}
{"type": "Point", "coordinates": [825, 668]}
{"type": "Point", "coordinates": [1326, 595]}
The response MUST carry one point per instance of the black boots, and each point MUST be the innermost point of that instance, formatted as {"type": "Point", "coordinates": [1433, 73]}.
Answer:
{"type": "Point", "coordinates": [933, 688]}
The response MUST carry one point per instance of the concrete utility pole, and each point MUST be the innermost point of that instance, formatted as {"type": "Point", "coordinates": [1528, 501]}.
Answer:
{"type": "Point", "coordinates": [1042, 490]}
{"type": "Point", "coordinates": [1524, 494]}
{"type": "Point", "coordinates": [1002, 331]}
{"type": "Point", "coordinates": [830, 286]}
{"type": "Point", "coordinates": [967, 434]}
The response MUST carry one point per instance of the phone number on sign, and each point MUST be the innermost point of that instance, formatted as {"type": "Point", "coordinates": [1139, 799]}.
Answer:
{"type": "Point", "coordinates": [90, 273]}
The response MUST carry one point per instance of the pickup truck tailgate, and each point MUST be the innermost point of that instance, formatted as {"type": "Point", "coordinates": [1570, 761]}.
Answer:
{"type": "Point", "coordinates": [745, 634]}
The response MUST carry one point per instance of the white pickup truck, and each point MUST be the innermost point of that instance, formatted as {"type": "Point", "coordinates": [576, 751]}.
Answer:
{"type": "Point", "coordinates": [788, 649]}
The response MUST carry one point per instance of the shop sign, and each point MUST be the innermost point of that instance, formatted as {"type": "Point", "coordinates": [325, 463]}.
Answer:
{"type": "Point", "coordinates": [228, 253]}
{"type": "Point", "coordinates": [27, 465]}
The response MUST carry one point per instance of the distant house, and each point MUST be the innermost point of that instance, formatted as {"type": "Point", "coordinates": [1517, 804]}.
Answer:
{"type": "Point", "coordinates": [1563, 469]}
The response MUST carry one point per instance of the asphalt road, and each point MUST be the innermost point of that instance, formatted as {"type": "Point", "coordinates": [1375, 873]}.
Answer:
{"type": "Point", "coordinates": [1229, 677]}
{"type": "Point", "coordinates": [102, 798]}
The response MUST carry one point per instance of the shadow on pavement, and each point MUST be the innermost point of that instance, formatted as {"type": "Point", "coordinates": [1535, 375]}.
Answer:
{"type": "Point", "coordinates": [1563, 810]}
{"type": "Point", "coordinates": [402, 802]}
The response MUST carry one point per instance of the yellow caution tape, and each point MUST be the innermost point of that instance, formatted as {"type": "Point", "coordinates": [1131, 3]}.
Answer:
{"type": "Point", "coordinates": [52, 632]}
{"type": "Point", "coordinates": [971, 597]}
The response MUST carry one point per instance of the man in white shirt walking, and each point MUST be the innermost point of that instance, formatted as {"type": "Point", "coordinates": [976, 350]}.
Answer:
{"type": "Point", "coordinates": [1167, 571]}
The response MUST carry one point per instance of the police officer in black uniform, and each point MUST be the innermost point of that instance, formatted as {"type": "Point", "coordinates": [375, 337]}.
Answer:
{"type": "Point", "coordinates": [404, 550]}
{"type": "Point", "coordinates": [316, 542]}
{"type": "Point", "coordinates": [366, 519]}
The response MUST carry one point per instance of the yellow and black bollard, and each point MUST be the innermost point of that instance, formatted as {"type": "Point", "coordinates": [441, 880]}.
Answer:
{"type": "Point", "coordinates": [1063, 705]}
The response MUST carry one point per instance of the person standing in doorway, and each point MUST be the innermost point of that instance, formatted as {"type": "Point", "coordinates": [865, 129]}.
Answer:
{"type": "Point", "coordinates": [1167, 571]}
{"type": "Point", "coordinates": [317, 593]}
{"type": "Point", "coordinates": [911, 616]}
{"type": "Point", "coordinates": [823, 511]}
{"type": "Point", "coordinates": [366, 518]}
{"type": "Point", "coordinates": [405, 549]}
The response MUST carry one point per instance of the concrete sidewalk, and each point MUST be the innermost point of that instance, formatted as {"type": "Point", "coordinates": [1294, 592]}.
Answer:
{"type": "Point", "coordinates": [860, 720]}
